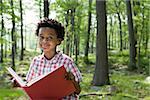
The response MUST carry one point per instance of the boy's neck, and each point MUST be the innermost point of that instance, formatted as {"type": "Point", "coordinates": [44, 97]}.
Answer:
{"type": "Point", "coordinates": [49, 55]}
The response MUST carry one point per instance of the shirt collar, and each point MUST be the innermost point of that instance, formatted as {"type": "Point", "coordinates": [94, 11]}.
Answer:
{"type": "Point", "coordinates": [54, 59]}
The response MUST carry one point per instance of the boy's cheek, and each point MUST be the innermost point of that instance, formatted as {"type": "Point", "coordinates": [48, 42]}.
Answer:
{"type": "Point", "coordinates": [40, 45]}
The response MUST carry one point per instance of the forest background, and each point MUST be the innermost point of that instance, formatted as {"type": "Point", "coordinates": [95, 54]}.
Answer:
{"type": "Point", "coordinates": [108, 40]}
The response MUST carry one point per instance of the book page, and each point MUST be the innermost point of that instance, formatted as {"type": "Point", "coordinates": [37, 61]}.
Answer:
{"type": "Point", "coordinates": [52, 86]}
{"type": "Point", "coordinates": [17, 78]}
{"type": "Point", "coordinates": [39, 77]}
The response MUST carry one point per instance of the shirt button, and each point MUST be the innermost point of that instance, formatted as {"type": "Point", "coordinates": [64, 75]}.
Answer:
{"type": "Point", "coordinates": [54, 61]}
{"type": "Point", "coordinates": [54, 67]}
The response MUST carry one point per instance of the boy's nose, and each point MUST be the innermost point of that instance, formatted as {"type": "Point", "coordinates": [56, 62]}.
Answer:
{"type": "Point", "coordinates": [45, 40]}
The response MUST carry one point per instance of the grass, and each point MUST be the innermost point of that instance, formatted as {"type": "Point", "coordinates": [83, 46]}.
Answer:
{"type": "Point", "coordinates": [127, 85]}
{"type": "Point", "coordinates": [10, 94]}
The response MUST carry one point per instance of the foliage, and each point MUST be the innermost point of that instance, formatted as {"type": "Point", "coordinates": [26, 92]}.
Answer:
{"type": "Point", "coordinates": [10, 94]}
{"type": "Point", "coordinates": [129, 85]}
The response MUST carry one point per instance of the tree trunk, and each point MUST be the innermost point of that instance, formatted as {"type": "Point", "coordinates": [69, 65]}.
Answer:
{"type": "Point", "coordinates": [2, 32]}
{"type": "Point", "coordinates": [120, 30]}
{"type": "Point", "coordinates": [147, 32]}
{"type": "Point", "coordinates": [40, 10]}
{"type": "Point", "coordinates": [115, 36]}
{"type": "Point", "coordinates": [88, 33]}
{"type": "Point", "coordinates": [25, 37]}
{"type": "Point", "coordinates": [5, 53]}
{"type": "Point", "coordinates": [132, 41]}
{"type": "Point", "coordinates": [67, 33]}
{"type": "Point", "coordinates": [12, 36]}
{"type": "Point", "coordinates": [117, 4]}
{"type": "Point", "coordinates": [92, 42]}
{"type": "Point", "coordinates": [22, 46]}
{"type": "Point", "coordinates": [78, 36]}
{"type": "Point", "coordinates": [74, 34]}
{"type": "Point", "coordinates": [111, 34]}
{"type": "Point", "coordinates": [101, 70]}
{"type": "Point", "coordinates": [46, 8]}
{"type": "Point", "coordinates": [136, 5]}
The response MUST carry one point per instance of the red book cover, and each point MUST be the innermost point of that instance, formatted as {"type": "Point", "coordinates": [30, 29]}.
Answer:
{"type": "Point", "coordinates": [52, 86]}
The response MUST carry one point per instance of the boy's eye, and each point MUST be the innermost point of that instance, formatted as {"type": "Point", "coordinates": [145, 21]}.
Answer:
{"type": "Point", "coordinates": [49, 38]}
{"type": "Point", "coordinates": [41, 37]}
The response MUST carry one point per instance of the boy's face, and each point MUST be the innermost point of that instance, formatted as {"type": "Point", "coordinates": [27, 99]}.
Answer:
{"type": "Point", "coordinates": [48, 39]}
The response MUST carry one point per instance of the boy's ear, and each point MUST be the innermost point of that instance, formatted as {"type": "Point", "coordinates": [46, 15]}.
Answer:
{"type": "Point", "coordinates": [59, 41]}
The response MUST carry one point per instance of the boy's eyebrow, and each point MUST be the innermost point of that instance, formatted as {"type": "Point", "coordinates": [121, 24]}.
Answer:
{"type": "Point", "coordinates": [48, 35]}
{"type": "Point", "coordinates": [40, 35]}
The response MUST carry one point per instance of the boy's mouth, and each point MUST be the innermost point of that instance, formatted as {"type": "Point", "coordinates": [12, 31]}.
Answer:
{"type": "Point", "coordinates": [45, 46]}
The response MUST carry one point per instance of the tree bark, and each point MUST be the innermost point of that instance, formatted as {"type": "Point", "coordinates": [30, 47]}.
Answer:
{"type": "Point", "coordinates": [2, 32]}
{"type": "Point", "coordinates": [67, 33]}
{"type": "Point", "coordinates": [40, 10]}
{"type": "Point", "coordinates": [88, 33]}
{"type": "Point", "coordinates": [12, 36]}
{"type": "Point", "coordinates": [22, 45]}
{"type": "Point", "coordinates": [46, 8]}
{"type": "Point", "coordinates": [132, 41]}
{"type": "Point", "coordinates": [120, 26]}
{"type": "Point", "coordinates": [75, 46]}
{"type": "Point", "coordinates": [120, 31]}
{"type": "Point", "coordinates": [136, 4]}
{"type": "Point", "coordinates": [147, 32]}
{"type": "Point", "coordinates": [101, 70]}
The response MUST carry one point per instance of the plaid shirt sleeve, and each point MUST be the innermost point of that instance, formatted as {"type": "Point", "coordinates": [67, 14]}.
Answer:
{"type": "Point", "coordinates": [75, 71]}
{"type": "Point", "coordinates": [31, 71]}
{"type": "Point", "coordinates": [71, 66]}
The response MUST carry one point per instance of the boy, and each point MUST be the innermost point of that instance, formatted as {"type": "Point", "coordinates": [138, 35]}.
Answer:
{"type": "Point", "coordinates": [50, 33]}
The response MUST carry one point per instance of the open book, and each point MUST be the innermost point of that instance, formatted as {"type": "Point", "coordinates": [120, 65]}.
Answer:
{"type": "Point", "coordinates": [51, 86]}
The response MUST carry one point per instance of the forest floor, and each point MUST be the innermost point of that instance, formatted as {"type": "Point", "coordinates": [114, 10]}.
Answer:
{"type": "Point", "coordinates": [124, 84]}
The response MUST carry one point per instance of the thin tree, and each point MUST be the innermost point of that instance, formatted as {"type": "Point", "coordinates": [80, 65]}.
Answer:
{"type": "Point", "coordinates": [46, 8]}
{"type": "Point", "coordinates": [22, 46]}
{"type": "Point", "coordinates": [117, 4]}
{"type": "Point", "coordinates": [88, 33]}
{"type": "Point", "coordinates": [147, 31]}
{"type": "Point", "coordinates": [40, 9]}
{"type": "Point", "coordinates": [67, 33]}
{"type": "Point", "coordinates": [136, 4]}
{"type": "Point", "coordinates": [72, 18]}
{"type": "Point", "coordinates": [75, 48]}
{"type": "Point", "coordinates": [111, 33]}
{"type": "Point", "coordinates": [132, 41]}
{"type": "Point", "coordinates": [101, 70]}
{"type": "Point", "coordinates": [12, 35]}
{"type": "Point", "coordinates": [2, 32]}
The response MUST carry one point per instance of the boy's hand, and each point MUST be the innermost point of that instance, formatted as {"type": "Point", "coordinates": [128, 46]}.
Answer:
{"type": "Point", "coordinates": [15, 83]}
{"type": "Point", "coordinates": [69, 76]}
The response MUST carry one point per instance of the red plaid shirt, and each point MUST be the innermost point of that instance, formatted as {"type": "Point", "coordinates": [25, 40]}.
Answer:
{"type": "Point", "coordinates": [40, 65]}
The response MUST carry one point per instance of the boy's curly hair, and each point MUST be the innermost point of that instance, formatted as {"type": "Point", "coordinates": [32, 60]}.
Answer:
{"type": "Point", "coordinates": [51, 23]}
